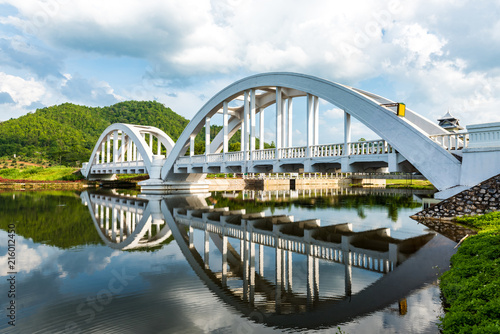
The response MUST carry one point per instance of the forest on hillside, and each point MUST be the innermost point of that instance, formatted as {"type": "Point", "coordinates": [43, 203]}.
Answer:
{"type": "Point", "coordinates": [66, 134]}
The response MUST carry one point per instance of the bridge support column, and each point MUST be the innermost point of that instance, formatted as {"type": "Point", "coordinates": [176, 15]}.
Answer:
{"type": "Point", "coordinates": [252, 121]}
{"type": "Point", "coordinates": [284, 124]}
{"type": "Point", "coordinates": [347, 133]}
{"type": "Point", "coordinates": [345, 165]}
{"type": "Point", "coordinates": [191, 146]}
{"type": "Point", "coordinates": [207, 136]}
{"type": "Point", "coordinates": [316, 120]}
{"type": "Point", "coordinates": [225, 121]}
{"type": "Point", "coordinates": [108, 149]}
{"type": "Point", "coordinates": [279, 116]}
{"type": "Point", "coordinates": [122, 149]}
{"type": "Point", "coordinates": [289, 116]}
{"type": "Point", "coordinates": [261, 129]}
{"type": "Point", "coordinates": [393, 162]}
{"type": "Point", "coordinates": [310, 122]}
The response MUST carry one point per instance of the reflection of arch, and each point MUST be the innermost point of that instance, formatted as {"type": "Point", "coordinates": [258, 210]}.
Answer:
{"type": "Point", "coordinates": [125, 222]}
{"type": "Point", "coordinates": [409, 135]}
{"type": "Point", "coordinates": [319, 313]}
{"type": "Point", "coordinates": [122, 144]}
{"type": "Point", "coordinates": [311, 311]}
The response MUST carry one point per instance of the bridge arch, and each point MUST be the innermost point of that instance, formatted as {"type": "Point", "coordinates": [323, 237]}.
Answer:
{"type": "Point", "coordinates": [127, 147]}
{"type": "Point", "coordinates": [408, 135]}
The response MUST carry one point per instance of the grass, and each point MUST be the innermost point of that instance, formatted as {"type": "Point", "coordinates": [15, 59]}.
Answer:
{"type": "Point", "coordinates": [405, 183]}
{"type": "Point", "coordinates": [220, 176]}
{"type": "Point", "coordinates": [57, 173]}
{"type": "Point", "coordinates": [131, 177]}
{"type": "Point", "coordinates": [471, 287]}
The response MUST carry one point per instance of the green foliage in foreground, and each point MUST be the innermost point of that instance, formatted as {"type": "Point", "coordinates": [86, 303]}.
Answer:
{"type": "Point", "coordinates": [57, 173]}
{"type": "Point", "coordinates": [472, 286]}
{"type": "Point", "coordinates": [52, 218]}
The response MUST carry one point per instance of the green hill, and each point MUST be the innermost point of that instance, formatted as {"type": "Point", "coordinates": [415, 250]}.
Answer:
{"type": "Point", "coordinates": [66, 134]}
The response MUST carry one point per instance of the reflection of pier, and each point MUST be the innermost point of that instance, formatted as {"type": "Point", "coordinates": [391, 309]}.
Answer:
{"type": "Point", "coordinates": [277, 299]}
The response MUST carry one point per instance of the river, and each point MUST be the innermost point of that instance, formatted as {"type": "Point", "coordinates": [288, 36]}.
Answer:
{"type": "Point", "coordinates": [325, 261]}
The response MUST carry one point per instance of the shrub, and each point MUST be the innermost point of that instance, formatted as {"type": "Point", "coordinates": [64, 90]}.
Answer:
{"type": "Point", "coordinates": [472, 286]}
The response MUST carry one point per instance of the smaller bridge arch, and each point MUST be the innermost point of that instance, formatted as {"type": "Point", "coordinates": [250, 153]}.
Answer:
{"type": "Point", "coordinates": [128, 149]}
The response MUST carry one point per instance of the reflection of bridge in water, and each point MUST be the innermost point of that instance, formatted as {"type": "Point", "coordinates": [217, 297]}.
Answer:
{"type": "Point", "coordinates": [125, 222]}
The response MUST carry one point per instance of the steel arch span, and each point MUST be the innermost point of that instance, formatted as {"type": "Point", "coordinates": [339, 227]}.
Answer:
{"type": "Point", "coordinates": [407, 135]}
{"type": "Point", "coordinates": [128, 148]}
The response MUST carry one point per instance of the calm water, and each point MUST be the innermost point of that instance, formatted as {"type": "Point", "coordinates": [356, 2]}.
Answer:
{"type": "Point", "coordinates": [116, 263]}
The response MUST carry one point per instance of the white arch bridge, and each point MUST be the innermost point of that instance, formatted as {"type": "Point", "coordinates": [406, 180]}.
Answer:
{"type": "Point", "coordinates": [451, 161]}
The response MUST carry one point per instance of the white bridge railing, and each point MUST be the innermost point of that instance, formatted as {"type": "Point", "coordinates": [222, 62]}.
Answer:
{"type": "Point", "coordinates": [267, 154]}
{"type": "Point", "coordinates": [452, 141]}
{"type": "Point", "coordinates": [302, 152]}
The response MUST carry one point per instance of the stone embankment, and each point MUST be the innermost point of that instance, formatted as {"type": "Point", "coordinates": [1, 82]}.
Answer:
{"type": "Point", "coordinates": [478, 200]}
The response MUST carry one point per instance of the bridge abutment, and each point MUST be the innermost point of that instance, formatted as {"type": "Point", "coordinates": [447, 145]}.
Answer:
{"type": "Point", "coordinates": [176, 184]}
{"type": "Point", "coordinates": [480, 160]}
{"type": "Point", "coordinates": [160, 187]}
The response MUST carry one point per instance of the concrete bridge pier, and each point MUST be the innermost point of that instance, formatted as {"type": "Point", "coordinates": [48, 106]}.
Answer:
{"type": "Point", "coordinates": [180, 184]}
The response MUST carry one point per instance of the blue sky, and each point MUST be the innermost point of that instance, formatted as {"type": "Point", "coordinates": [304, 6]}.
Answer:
{"type": "Point", "coordinates": [433, 55]}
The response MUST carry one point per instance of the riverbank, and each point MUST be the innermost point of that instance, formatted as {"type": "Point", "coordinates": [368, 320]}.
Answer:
{"type": "Point", "coordinates": [43, 178]}
{"type": "Point", "coordinates": [57, 177]}
{"type": "Point", "coordinates": [38, 173]}
{"type": "Point", "coordinates": [471, 288]}
{"type": "Point", "coordinates": [6, 185]}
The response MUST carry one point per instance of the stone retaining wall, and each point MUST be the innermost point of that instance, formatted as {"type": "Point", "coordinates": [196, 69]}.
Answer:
{"type": "Point", "coordinates": [480, 199]}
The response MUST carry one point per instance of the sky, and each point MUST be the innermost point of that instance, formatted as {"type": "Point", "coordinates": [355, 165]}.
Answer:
{"type": "Point", "coordinates": [434, 55]}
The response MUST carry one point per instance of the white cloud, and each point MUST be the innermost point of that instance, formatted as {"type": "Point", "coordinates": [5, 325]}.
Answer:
{"type": "Point", "coordinates": [333, 113]}
{"type": "Point", "coordinates": [419, 44]}
{"type": "Point", "coordinates": [88, 92]}
{"type": "Point", "coordinates": [23, 92]}
{"type": "Point", "coordinates": [29, 257]}
{"type": "Point", "coordinates": [434, 55]}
